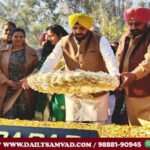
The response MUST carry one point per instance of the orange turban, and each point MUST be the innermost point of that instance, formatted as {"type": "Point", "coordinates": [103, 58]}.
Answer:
{"type": "Point", "coordinates": [83, 19]}
{"type": "Point", "coordinates": [138, 14]}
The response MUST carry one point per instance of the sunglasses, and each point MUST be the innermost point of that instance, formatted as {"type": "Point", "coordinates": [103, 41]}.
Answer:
{"type": "Point", "coordinates": [134, 23]}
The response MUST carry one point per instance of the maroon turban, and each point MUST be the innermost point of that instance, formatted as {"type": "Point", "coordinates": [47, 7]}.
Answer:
{"type": "Point", "coordinates": [137, 14]}
{"type": "Point", "coordinates": [42, 37]}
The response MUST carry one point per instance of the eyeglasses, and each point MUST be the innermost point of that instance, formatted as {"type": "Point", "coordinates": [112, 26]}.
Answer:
{"type": "Point", "coordinates": [134, 23]}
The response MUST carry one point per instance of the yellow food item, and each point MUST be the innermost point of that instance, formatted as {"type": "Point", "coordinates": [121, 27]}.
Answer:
{"type": "Point", "coordinates": [103, 130]}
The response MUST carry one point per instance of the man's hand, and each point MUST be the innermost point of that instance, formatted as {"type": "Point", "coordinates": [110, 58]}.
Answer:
{"type": "Point", "coordinates": [127, 78]}
{"type": "Point", "coordinates": [12, 84]}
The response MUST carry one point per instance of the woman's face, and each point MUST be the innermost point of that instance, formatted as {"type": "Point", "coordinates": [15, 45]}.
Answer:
{"type": "Point", "coordinates": [54, 38]}
{"type": "Point", "coordinates": [18, 39]}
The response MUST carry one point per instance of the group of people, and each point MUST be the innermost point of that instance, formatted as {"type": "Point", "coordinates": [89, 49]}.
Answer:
{"type": "Point", "coordinates": [85, 48]}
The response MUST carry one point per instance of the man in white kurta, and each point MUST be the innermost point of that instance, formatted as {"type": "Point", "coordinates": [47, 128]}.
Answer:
{"type": "Point", "coordinates": [89, 108]}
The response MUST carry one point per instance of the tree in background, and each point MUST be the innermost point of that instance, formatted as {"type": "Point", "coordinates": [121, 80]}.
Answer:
{"type": "Point", "coordinates": [32, 15]}
{"type": "Point", "coordinates": [35, 15]}
{"type": "Point", "coordinates": [108, 14]}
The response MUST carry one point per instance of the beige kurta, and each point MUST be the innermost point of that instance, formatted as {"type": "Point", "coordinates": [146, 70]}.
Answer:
{"type": "Point", "coordinates": [87, 108]}
{"type": "Point", "coordinates": [137, 107]}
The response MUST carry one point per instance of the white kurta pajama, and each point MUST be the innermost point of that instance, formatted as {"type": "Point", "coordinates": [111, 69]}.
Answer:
{"type": "Point", "coordinates": [88, 108]}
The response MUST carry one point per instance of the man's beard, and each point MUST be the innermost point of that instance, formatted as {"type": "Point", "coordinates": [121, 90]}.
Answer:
{"type": "Point", "coordinates": [9, 39]}
{"type": "Point", "coordinates": [81, 37]}
{"type": "Point", "coordinates": [9, 42]}
{"type": "Point", "coordinates": [136, 33]}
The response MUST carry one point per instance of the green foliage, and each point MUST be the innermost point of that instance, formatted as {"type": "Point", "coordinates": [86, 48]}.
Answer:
{"type": "Point", "coordinates": [32, 15]}
{"type": "Point", "coordinates": [35, 15]}
{"type": "Point", "coordinates": [112, 29]}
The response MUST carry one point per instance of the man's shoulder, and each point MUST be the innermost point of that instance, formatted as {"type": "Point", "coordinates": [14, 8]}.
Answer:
{"type": "Point", "coordinates": [96, 36]}
{"type": "Point", "coordinates": [4, 47]}
{"type": "Point", "coordinates": [126, 34]}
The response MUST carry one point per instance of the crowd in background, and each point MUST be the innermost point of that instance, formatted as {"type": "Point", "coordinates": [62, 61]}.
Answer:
{"type": "Point", "coordinates": [126, 105]}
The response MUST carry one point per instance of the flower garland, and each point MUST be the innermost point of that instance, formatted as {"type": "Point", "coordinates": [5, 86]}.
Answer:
{"type": "Point", "coordinates": [73, 82]}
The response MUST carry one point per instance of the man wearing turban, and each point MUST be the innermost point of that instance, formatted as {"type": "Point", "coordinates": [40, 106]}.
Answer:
{"type": "Point", "coordinates": [134, 57]}
{"type": "Point", "coordinates": [83, 49]}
